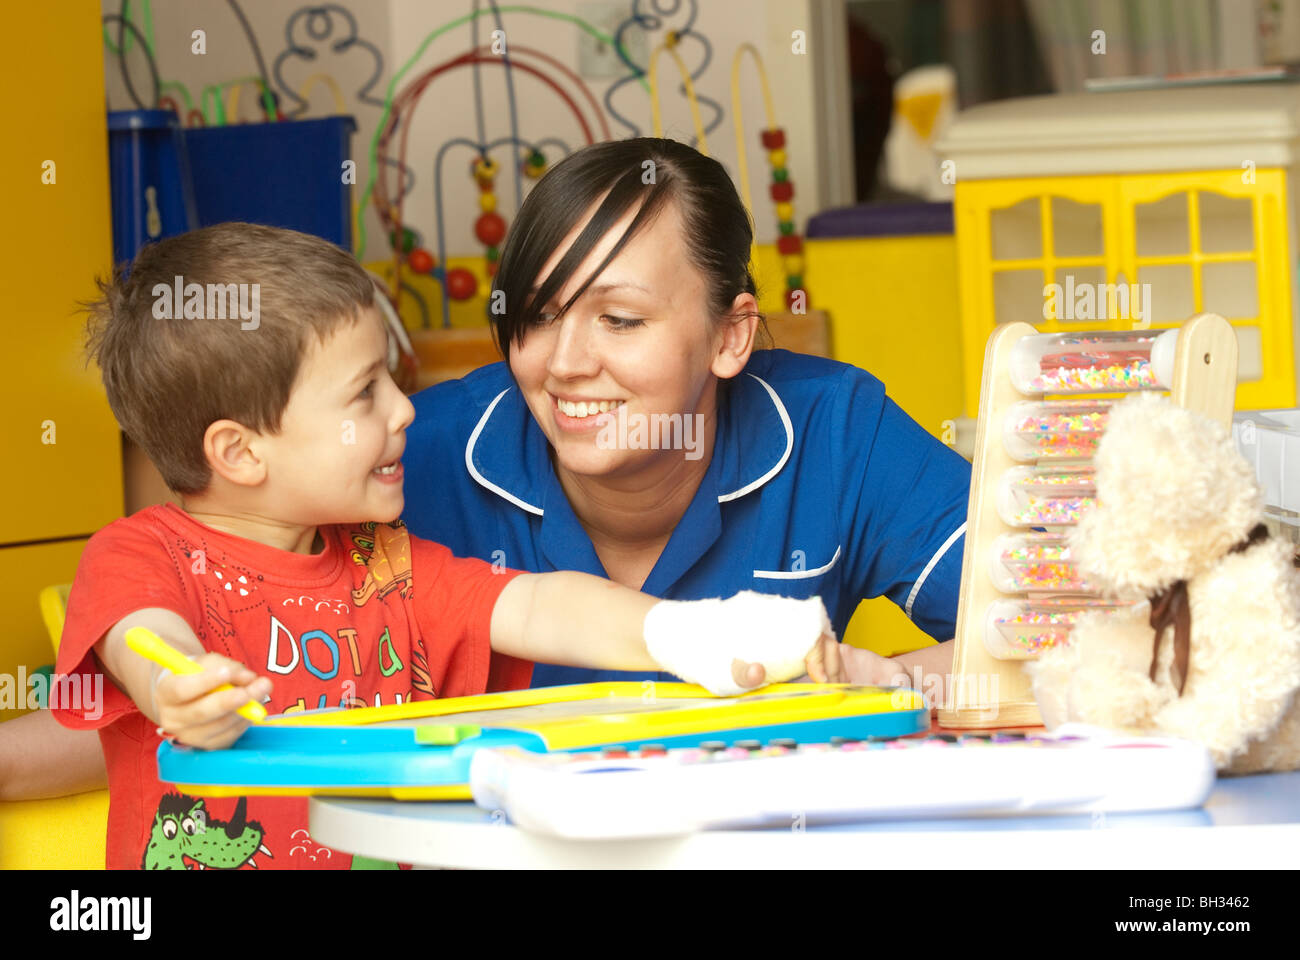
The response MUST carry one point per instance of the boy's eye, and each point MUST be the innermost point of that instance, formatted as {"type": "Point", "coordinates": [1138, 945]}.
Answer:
{"type": "Point", "coordinates": [367, 392]}
{"type": "Point", "coordinates": [623, 323]}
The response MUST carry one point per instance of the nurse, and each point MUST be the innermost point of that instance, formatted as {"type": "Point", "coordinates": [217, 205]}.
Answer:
{"type": "Point", "coordinates": [635, 431]}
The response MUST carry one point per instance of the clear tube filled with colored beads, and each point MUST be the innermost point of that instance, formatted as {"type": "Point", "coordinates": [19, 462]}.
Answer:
{"type": "Point", "coordinates": [1101, 362]}
{"type": "Point", "coordinates": [1054, 429]}
{"type": "Point", "coordinates": [1045, 496]}
{"type": "Point", "coordinates": [1022, 629]}
{"type": "Point", "coordinates": [1035, 563]}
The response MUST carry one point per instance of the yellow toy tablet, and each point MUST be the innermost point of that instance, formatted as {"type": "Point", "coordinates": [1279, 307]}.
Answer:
{"type": "Point", "coordinates": [421, 750]}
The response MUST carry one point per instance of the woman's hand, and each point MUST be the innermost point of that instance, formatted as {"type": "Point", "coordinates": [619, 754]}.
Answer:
{"type": "Point", "coordinates": [870, 669]}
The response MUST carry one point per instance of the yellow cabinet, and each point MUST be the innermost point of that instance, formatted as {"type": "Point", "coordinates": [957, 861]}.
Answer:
{"type": "Point", "coordinates": [1118, 252]}
{"type": "Point", "coordinates": [1126, 210]}
{"type": "Point", "coordinates": [62, 446]}
{"type": "Point", "coordinates": [61, 442]}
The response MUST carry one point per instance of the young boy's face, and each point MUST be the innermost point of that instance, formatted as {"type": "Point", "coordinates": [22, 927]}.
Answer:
{"type": "Point", "coordinates": [337, 457]}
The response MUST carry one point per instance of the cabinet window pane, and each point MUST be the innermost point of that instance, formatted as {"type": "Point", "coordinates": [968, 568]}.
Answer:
{"type": "Point", "coordinates": [1162, 227]}
{"type": "Point", "coordinates": [1083, 295]}
{"type": "Point", "coordinates": [1227, 224]}
{"type": "Point", "coordinates": [1018, 295]}
{"type": "Point", "coordinates": [1017, 231]}
{"type": "Point", "coordinates": [1250, 354]}
{"type": "Point", "coordinates": [1076, 228]}
{"type": "Point", "coordinates": [1170, 299]}
{"type": "Point", "coordinates": [1230, 288]}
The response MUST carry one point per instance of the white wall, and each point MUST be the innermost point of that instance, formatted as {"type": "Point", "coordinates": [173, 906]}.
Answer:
{"type": "Point", "coordinates": [398, 27]}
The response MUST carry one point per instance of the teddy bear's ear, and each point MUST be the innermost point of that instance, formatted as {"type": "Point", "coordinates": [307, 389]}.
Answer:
{"type": "Point", "coordinates": [1173, 495]}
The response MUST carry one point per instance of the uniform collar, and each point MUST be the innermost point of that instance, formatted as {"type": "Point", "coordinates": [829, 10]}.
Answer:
{"type": "Point", "coordinates": [508, 454]}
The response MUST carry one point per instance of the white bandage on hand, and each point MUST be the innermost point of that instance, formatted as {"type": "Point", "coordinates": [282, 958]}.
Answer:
{"type": "Point", "coordinates": [698, 639]}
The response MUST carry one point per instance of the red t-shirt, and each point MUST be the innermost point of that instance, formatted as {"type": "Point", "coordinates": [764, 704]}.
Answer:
{"type": "Point", "coordinates": [377, 617]}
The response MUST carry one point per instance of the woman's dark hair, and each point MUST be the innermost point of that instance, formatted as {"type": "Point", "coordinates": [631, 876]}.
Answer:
{"type": "Point", "coordinates": [645, 170]}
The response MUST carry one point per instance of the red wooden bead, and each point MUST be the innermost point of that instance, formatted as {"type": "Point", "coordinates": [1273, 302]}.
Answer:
{"type": "Point", "coordinates": [789, 245]}
{"type": "Point", "coordinates": [420, 260]}
{"type": "Point", "coordinates": [782, 192]}
{"type": "Point", "coordinates": [490, 229]}
{"type": "Point", "coordinates": [461, 284]}
{"type": "Point", "coordinates": [774, 139]}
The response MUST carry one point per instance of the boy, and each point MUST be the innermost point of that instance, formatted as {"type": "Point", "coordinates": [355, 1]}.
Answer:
{"type": "Point", "coordinates": [286, 574]}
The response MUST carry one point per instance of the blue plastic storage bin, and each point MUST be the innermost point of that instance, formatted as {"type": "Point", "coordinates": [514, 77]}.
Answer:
{"type": "Point", "coordinates": [287, 174]}
{"type": "Point", "coordinates": [152, 190]}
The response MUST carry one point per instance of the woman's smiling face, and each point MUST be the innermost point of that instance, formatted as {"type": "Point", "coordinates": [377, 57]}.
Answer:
{"type": "Point", "coordinates": [639, 337]}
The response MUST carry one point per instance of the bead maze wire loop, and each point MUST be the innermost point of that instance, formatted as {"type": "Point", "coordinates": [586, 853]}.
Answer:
{"type": "Point", "coordinates": [789, 243]}
{"type": "Point", "coordinates": [340, 105]}
{"type": "Point", "coordinates": [318, 32]}
{"type": "Point", "coordinates": [402, 116]}
{"type": "Point", "coordinates": [650, 22]}
{"type": "Point", "coordinates": [232, 99]}
{"type": "Point", "coordinates": [738, 116]}
{"type": "Point", "coordinates": [656, 118]}
{"type": "Point", "coordinates": [125, 24]}
{"type": "Point", "coordinates": [384, 122]}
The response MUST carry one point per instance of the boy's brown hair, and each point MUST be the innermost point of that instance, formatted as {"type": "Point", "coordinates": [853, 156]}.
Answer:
{"type": "Point", "coordinates": [168, 379]}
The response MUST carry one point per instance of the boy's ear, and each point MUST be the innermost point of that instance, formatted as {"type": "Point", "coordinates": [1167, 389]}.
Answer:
{"type": "Point", "coordinates": [737, 337]}
{"type": "Point", "coordinates": [228, 447]}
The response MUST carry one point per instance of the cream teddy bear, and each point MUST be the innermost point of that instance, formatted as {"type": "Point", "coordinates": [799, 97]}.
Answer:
{"type": "Point", "coordinates": [1177, 526]}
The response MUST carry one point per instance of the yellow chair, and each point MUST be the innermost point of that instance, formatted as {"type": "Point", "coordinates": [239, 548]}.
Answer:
{"type": "Point", "coordinates": [64, 833]}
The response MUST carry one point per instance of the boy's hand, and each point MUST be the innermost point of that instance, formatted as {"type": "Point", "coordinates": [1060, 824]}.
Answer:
{"type": "Point", "coordinates": [192, 710]}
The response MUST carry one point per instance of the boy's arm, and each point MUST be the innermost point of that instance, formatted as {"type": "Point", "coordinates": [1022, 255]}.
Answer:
{"type": "Point", "coordinates": [41, 758]}
{"type": "Point", "coordinates": [190, 707]}
{"type": "Point", "coordinates": [134, 675]}
{"type": "Point", "coordinates": [573, 619]}
{"type": "Point", "coordinates": [728, 646]}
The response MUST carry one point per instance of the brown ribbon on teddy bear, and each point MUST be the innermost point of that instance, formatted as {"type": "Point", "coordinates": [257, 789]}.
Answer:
{"type": "Point", "coordinates": [1170, 607]}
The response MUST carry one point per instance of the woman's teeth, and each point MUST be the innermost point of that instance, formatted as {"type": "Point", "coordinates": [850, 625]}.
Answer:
{"type": "Point", "coordinates": [587, 409]}
{"type": "Point", "coordinates": [391, 468]}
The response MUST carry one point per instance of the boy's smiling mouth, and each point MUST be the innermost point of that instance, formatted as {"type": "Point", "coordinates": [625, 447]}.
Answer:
{"type": "Point", "coordinates": [390, 472]}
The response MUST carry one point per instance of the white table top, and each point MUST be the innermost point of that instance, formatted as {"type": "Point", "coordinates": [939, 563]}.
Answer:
{"type": "Point", "coordinates": [1248, 823]}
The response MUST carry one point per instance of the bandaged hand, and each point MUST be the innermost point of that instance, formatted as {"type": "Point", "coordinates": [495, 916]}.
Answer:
{"type": "Point", "coordinates": [733, 645]}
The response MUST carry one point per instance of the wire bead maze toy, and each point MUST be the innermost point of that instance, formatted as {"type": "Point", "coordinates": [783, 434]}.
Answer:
{"type": "Point", "coordinates": [789, 243]}
{"type": "Point", "coordinates": [528, 158]}
{"type": "Point", "coordinates": [1033, 478]}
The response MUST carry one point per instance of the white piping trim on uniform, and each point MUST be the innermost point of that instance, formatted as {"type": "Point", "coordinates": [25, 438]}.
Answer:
{"type": "Point", "coordinates": [469, 459]}
{"type": "Point", "coordinates": [789, 446]}
{"type": "Point", "coordinates": [798, 574]}
{"type": "Point", "coordinates": [938, 555]}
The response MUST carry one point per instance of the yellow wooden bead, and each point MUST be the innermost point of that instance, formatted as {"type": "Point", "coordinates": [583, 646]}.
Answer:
{"type": "Point", "coordinates": [485, 169]}
{"type": "Point", "coordinates": [487, 202]}
{"type": "Point", "coordinates": [792, 265]}
{"type": "Point", "coordinates": [776, 158]}
{"type": "Point", "coordinates": [785, 211]}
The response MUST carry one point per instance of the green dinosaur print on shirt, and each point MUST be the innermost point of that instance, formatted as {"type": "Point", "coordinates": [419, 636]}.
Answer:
{"type": "Point", "coordinates": [182, 831]}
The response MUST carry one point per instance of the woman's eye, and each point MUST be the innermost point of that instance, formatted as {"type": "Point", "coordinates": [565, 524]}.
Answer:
{"type": "Point", "coordinates": [544, 318]}
{"type": "Point", "coordinates": [623, 323]}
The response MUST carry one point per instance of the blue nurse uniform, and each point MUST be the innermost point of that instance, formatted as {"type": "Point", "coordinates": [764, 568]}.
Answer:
{"type": "Point", "coordinates": [818, 484]}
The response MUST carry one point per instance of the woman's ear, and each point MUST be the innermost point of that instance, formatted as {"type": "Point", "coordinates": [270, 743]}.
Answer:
{"type": "Point", "coordinates": [736, 337]}
{"type": "Point", "coordinates": [228, 447]}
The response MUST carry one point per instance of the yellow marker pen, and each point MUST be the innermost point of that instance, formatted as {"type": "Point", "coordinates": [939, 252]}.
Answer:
{"type": "Point", "coordinates": [153, 647]}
